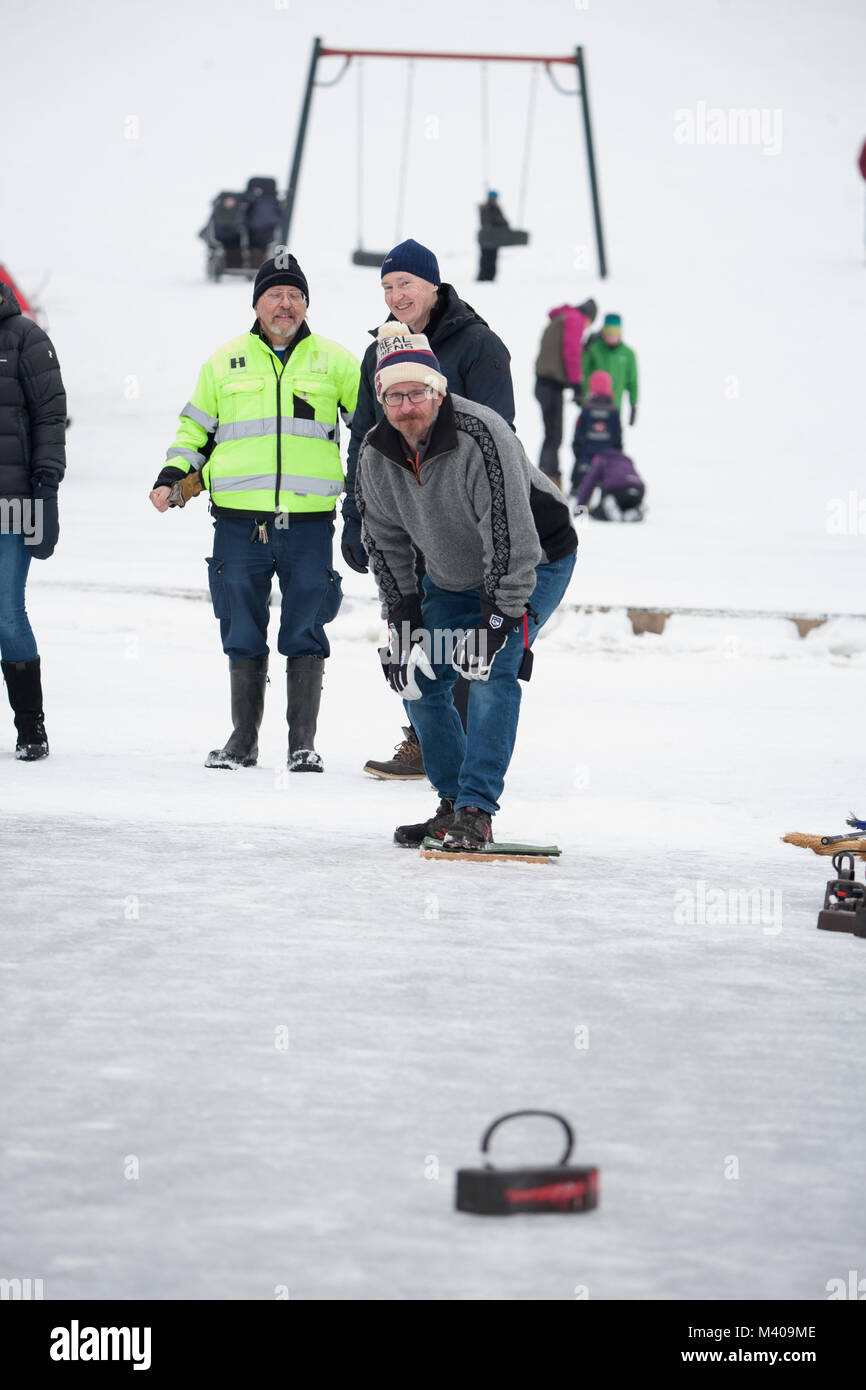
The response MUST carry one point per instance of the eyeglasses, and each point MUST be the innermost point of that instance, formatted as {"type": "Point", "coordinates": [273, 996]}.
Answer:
{"type": "Point", "coordinates": [275, 296]}
{"type": "Point", "coordinates": [422, 393]}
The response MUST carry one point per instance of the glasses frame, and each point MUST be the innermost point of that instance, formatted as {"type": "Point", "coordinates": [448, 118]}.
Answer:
{"type": "Point", "coordinates": [387, 396]}
{"type": "Point", "coordinates": [295, 296]}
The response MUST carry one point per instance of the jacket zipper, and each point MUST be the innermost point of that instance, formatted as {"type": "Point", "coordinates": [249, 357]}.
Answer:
{"type": "Point", "coordinates": [279, 377]}
{"type": "Point", "coordinates": [415, 465]}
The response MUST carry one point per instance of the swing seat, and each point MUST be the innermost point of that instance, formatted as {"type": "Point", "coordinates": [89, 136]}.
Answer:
{"type": "Point", "coordinates": [501, 236]}
{"type": "Point", "coordinates": [373, 258]}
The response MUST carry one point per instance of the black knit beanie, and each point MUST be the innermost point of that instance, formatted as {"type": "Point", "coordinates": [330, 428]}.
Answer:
{"type": "Point", "coordinates": [280, 270]}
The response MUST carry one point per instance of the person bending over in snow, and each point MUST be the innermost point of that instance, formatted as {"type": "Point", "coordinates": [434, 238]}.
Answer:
{"type": "Point", "coordinates": [445, 476]}
{"type": "Point", "coordinates": [598, 427]}
{"type": "Point", "coordinates": [622, 488]}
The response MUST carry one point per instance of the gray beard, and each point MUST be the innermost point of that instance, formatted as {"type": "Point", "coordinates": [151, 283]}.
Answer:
{"type": "Point", "coordinates": [275, 340]}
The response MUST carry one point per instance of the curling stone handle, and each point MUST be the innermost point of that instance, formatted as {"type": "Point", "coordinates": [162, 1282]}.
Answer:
{"type": "Point", "coordinates": [515, 1114]}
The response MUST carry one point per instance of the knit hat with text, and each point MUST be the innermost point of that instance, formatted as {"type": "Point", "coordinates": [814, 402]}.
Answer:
{"type": "Point", "coordinates": [405, 356]}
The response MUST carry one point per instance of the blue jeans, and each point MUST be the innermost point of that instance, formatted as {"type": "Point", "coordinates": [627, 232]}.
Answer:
{"type": "Point", "coordinates": [469, 769]}
{"type": "Point", "coordinates": [17, 642]}
{"type": "Point", "coordinates": [240, 573]}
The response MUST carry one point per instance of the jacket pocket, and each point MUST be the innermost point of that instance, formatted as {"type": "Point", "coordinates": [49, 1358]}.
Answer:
{"type": "Point", "coordinates": [318, 392]}
{"type": "Point", "coordinates": [241, 385]}
{"type": "Point", "coordinates": [217, 585]}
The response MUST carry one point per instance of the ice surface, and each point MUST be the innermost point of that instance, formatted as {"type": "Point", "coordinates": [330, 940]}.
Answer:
{"type": "Point", "coordinates": [234, 984]}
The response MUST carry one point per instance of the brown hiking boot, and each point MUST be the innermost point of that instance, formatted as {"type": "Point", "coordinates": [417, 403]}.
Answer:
{"type": "Point", "coordinates": [407, 764]}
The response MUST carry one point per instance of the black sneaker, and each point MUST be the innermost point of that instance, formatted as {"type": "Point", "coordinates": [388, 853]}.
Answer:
{"type": "Point", "coordinates": [435, 827]}
{"type": "Point", "coordinates": [471, 828]}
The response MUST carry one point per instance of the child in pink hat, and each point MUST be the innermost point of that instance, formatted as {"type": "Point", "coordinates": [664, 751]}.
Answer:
{"type": "Point", "coordinates": [598, 427]}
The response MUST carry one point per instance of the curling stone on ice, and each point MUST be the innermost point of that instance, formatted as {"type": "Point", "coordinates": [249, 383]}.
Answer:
{"type": "Point", "coordinates": [561, 1187]}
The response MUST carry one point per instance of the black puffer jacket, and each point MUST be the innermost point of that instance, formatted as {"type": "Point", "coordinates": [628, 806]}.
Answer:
{"type": "Point", "coordinates": [475, 361]}
{"type": "Point", "coordinates": [32, 403]}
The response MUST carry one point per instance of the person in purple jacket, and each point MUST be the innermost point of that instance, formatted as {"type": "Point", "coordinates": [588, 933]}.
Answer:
{"type": "Point", "coordinates": [622, 488]}
{"type": "Point", "coordinates": [598, 427]}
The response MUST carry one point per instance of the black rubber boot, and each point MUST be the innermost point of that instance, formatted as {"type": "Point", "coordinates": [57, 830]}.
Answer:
{"type": "Point", "coordinates": [248, 677]}
{"type": "Point", "coordinates": [24, 688]}
{"type": "Point", "coordinates": [303, 697]}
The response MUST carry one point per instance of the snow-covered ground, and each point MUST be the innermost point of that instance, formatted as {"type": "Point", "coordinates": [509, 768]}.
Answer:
{"type": "Point", "coordinates": [242, 1032]}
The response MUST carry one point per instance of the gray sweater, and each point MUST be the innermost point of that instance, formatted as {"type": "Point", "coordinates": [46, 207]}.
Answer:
{"type": "Point", "coordinates": [476, 509]}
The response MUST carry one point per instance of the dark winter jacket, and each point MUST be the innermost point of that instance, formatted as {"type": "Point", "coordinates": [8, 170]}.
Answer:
{"type": "Point", "coordinates": [475, 362]}
{"type": "Point", "coordinates": [491, 214]}
{"type": "Point", "coordinates": [474, 506]}
{"type": "Point", "coordinates": [609, 471]}
{"type": "Point", "coordinates": [598, 428]}
{"type": "Point", "coordinates": [32, 403]}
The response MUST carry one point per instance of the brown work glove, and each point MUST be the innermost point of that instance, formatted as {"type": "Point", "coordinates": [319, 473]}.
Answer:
{"type": "Point", "coordinates": [184, 489]}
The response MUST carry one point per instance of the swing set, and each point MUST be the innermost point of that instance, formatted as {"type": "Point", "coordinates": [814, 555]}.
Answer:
{"type": "Point", "coordinates": [488, 236]}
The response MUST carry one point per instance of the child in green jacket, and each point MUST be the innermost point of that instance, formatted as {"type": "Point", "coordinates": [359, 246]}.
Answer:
{"type": "Point", "coordinates": [606, 352]}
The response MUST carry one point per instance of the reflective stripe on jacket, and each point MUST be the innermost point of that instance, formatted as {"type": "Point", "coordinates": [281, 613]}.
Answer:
{"type": "Point", "coordinates": [273, 425]}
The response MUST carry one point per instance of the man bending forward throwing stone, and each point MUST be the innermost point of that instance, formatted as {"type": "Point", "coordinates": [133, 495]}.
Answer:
{"type": "Point", "coordinates": [445, 476]}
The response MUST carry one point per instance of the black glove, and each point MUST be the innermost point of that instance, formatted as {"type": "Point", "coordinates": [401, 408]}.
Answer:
{"type": "Point", "coordinates": [577, 389]}
{"type": "Point", "coordinates": [474, 653]}
{"type": "Point", "coordinates": [46, 516]}
{"type": "Point", "coordinates": [404, 650]}
{"type": "Point", "coordinates": [632, 419]}
{"type": "Point", "coordinates": [353, 550]}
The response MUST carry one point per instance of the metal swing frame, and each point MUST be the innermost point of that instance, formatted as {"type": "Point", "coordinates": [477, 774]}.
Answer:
{"type": "Point", "coordinates": [576, 60]}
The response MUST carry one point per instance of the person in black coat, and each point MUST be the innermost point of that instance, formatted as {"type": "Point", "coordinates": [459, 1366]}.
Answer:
{"type": "Point", "coordinates": [476, 363]}
{"type": "Point", "coordinates": [32, 463]}
{"type": "Point", "coordinates": [491, 216]}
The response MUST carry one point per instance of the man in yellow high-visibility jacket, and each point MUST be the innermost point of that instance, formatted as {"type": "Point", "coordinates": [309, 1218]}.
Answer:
{"type": "Point", "coordinates": [262, 430]}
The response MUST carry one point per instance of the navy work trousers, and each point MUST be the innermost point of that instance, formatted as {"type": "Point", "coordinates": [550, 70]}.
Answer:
{"type": "Point", "coordinates": [241, 571]}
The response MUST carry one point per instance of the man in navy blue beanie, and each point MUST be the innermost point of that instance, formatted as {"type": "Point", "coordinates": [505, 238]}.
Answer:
{"type": "Point", "coordinates": [413, 258]}
{"type": "Point", "coordinates": [477, 365]}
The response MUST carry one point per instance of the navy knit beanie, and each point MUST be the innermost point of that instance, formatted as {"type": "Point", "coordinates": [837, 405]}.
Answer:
{"type": "Point", "coordinates": [414, 259]}
{"type": "Point", "coordinates": [280, 270]}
